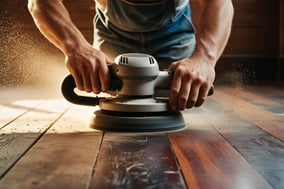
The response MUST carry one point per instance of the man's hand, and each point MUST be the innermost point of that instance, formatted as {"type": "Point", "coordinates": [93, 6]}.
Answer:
{"type": "Point", "coordinates": [194, 76]}
{"type": "Point", "coordinates": [89, 68]}
{"type": "Point", "coordinates": [87, 65]}
{"type": "Point", "coordinates": [191, 82]}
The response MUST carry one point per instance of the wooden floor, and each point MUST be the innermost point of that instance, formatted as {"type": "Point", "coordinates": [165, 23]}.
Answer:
{"type": "Point", "coordinates": [234, 141]}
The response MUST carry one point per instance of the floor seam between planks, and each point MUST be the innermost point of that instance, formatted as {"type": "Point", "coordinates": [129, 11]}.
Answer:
{"type": "Point", "coordinates": [21, 114]}
{"type": "Point", "coordinates": [177, 162]}
{"type": "Point", "coordinates": [89, 181]}
{"type": "Point", "coordinates": [37, 139]}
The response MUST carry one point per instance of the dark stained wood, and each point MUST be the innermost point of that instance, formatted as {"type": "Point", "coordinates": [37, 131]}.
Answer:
{"type": "Point", "coordinates": [255, 14]}
{"type": "Point", "coordinates": [255, 27]}
{"type": "Point", "coordinates": [248, 13]}
{"type": "Point", "coordinates": [255, 145]}
{"type": "Point", "coordinates": [281, 28]}
{"type": "Point", "coordinates": [268, 122]}
{"type": "Point", "coordinates": [255, 22]}
{"type": "Point", "coordinates": [136, 161]}
{"type": "Point", "coordinates": [81, 12]}
{"type": "Point", "coordinates": [272, 92]}
{"type": "Point", "coordinates": [247, 42]}
{"type": "Point", "coordinates": [63, 158]}
{"type": "Point", "coordinates": [267, 104]}
{"type": "Point", "coordinates": [48, 146]}
{"type": "Point", "coordinates": [208, 161]}
{"type": "Point", "coordinates": [254, 36]}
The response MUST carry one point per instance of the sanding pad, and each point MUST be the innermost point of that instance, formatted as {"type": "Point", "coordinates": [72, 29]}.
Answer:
{"type": "Point", "coordinates": [137, 122]}
{"type": "Point", "coordinates": [137, 105]}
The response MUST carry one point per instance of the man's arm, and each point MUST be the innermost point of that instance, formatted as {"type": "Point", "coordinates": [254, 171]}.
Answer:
{"type": "Point", "coordinates": [86, 64]}
{"type": "Point", "coordinates": [214, 28]}
{"type": "Point", "coordinates": [194, 75]}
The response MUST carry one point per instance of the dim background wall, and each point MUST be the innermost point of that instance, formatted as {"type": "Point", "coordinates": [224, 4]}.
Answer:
{"type": "Point", "coordinates": [254, 46]}
{"type": "Point", "coordinates": [255, 51]}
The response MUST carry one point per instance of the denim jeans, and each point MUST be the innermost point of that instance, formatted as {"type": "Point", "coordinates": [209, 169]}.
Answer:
{"type": "Point", "coordinates": [173, 41]}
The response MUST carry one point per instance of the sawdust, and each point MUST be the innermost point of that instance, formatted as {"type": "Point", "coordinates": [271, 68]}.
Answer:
{"type": "Point", "coordinates": [232, 78]}
{"type": "Point", "coordinates": [27, 58]}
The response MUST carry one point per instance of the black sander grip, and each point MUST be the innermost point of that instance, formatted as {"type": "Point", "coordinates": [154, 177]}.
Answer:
{"type": "Point", "coordinates": [68, 86]}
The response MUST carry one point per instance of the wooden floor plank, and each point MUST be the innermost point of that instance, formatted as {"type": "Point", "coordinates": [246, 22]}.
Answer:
{"type": "Point", "coordinates": [231, 99]}
{"type": "Point", "coordinates": [261, 97]}
{"type": "Point", "coordinates": [264, 101]}
{"type": "Point", "coordinates": [136, 161]}
{"type": "Point", "coordinates": [208, 161]}
{"type": "Point", "coordinates": [63, 158]}
{"type": "Point", "coordinates": [25, 93]}
{"type": "Point", "coordinates": [233, 141]}
{"type": "Point", "coordinates": [12, 111]}
{"type": "Point", "coordinates": [14, 102]}
{"type": "Point", "coordinates": [17, 137]}
{"type": "Point", "coordinates": [263, 151]}
{"type": "Point", "coordinates": [275, 93]}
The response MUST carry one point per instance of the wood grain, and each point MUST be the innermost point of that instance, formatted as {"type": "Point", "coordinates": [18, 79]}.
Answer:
{"type": "Point", "coordinates": [12, 111]}
{"type": "Point", "coordinates": [254, 144]}
{"type": "Point", "coordinates": [267, 104]}
{"type": "Point", "coordinates": [63, 158]}
{"type": "Point", "coordinates": [50, 145]}
{"type": "Point", "coordinates": [209, 161]}
{"type": "Point", "coordinates": [17, 137]}
{"type": "Point", "coordinates": [231, 98]}
{"type": "Point", "coordinates": [136, 161]}
{"type": "Point", "coordinates": [271, 92]}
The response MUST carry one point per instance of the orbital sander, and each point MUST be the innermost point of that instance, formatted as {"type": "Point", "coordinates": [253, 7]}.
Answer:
{"type": "Point", "coordinates": [138, 100]}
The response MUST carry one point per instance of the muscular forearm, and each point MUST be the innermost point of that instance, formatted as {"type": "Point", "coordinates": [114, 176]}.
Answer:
{"type": "Point", "coordinates": [194, 75]}
{"type": "Point", "coordinates": [54, 22]}
{"type": "Point", "coordinates": [213, 29]}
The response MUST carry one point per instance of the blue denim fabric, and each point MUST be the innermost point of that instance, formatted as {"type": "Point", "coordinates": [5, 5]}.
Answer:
{"type": "Point", "coordinates": [175, 40]}
{"type": "Point", "coordinates": [136, 16]}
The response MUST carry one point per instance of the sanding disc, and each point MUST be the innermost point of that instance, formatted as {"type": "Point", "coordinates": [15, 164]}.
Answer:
{"type": "Point", "coordinates": [134, 105]}
{"type": "Point", "coordinates": [137, 122]}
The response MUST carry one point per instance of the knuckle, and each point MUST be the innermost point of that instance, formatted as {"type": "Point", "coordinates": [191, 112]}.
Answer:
{"type": "Point", "coordinates": [183, 98]}
{"type": "Point", "coordinates": [180, 69]}
{"type": "Point", "coordinates": [205, 85]}
{"type": "Point", "coordinates": [174, 91]}
{"type": "Point", "coordinates": [199, 81]}
{"type": "Point", "coordinates": [187, 76]}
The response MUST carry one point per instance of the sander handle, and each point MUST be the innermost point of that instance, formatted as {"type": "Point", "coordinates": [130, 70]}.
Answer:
{"type": "Point", "coordinates": [68, 85]}
{"type": "Point", "coordinates": [164, 80]}
{"type": "Point", "coordinates": [67, 88]}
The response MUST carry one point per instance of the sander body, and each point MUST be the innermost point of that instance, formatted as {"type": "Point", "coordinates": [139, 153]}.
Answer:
{"type": "Point", "coordinates": [138, 100]}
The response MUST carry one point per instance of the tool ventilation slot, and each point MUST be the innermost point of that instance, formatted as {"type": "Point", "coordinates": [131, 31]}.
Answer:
{"type": "Point", "coordinates": [124, 60]}
{"type": "Point", "coordinates": [151, 59]}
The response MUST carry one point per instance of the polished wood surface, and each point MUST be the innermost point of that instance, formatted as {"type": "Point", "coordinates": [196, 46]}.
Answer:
{"type": "Point", "coordinates": [235, 140]}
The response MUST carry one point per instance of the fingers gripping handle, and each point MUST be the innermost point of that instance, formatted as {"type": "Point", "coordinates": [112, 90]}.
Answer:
{"type": "Point", "coordinates": [164, 80]}
{"type": "Point", "coordinates": [68, 86]}
{"type": "Point", "coordinates": [67, 89]}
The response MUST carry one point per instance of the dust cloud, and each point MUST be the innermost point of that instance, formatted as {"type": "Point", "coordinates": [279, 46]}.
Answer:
{"type": "Point", "coordinates": [28, 59]}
